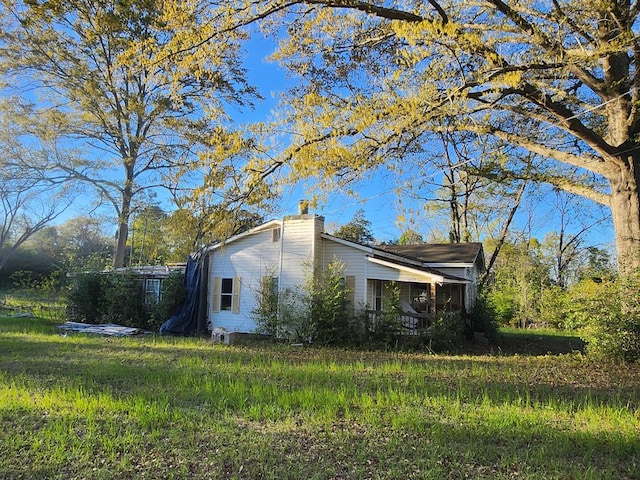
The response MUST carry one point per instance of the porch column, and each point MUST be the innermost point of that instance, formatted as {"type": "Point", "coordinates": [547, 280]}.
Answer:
{"type": "Point", "coordinates": [432, 303]}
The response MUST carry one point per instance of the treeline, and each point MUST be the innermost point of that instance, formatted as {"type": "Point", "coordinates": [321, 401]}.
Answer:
{"type": "Point", "coordinates": [532, 284]}
{"type": "Point", "coordinates": [82, 244]}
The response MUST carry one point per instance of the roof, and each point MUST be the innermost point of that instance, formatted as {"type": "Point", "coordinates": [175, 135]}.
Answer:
{"type": "Point", "coordinates": [438, 252]}
{"type": "Point", "coordinates": [408, 261]}
{"type": "Point", "coordinates": [429, 273]}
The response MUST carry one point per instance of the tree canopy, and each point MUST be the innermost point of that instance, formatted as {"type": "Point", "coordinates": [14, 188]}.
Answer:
{"type": "Point", "coordinates": [140, 121]}
{"type": "Point", "coordinates": [554, 79]}
{"type": "Point", "coordinates": [31, 194]}
{"type": "Point", "coordinates": [358, 229]}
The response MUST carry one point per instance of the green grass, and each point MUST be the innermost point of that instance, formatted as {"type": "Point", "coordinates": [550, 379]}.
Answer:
{"type": "Point", "coordinates": [538, 341]}
{"type": "Point", "coordinates": [76, 406]}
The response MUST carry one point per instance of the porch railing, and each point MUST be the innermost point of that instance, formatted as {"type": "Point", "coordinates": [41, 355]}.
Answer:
{"type": "Point", "coordinates": [411, 323]}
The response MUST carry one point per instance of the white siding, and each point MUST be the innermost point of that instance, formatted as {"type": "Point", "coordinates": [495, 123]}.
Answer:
{"type": "Point", "coordinates": [355, 265]}
{"type": "Point", "coordinates": [291, 258]}
{"type": "Point", "coordinates": [249, 258]}
{"type": "Point", "coordinates": [300, 249]}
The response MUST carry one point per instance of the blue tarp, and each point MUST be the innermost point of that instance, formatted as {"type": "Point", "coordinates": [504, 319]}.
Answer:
{"type": "Point", "coordinates": [190, 318]}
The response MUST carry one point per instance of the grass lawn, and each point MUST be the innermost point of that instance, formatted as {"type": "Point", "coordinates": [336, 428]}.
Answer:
{"type": "Point", "coordinates": [86, 407]}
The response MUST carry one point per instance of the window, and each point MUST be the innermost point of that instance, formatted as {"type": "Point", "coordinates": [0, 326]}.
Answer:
{"type": "Point", "coordinates": [275, 234]}
{"type": "Point", "coordinates": [226, 294]}
{"type": "Point", "coordinates": [151, 291]}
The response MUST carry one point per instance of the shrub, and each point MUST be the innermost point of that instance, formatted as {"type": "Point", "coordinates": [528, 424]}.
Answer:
{"type": "Point", "coordinates": [315, 313]}
{"type": "Point", "coordinates": [483, 317]}
{"type": "Point", "coordinates": [121, 300]}
{"type": "Point", "coordinates": [294, 320]}
{"type": "Point", "coordinates": [385, 332]}
{"type": "Point", "coordinates": [84, 298]}
{"type": "Point", "coordinates": [446, 332]}
{"type": "Point", "coordinates": [610, 315]}
{"type": "Point", "coordinates": [265, 313]}
{"type": "Point", "coordinates": [96, 297]}
{"type": "Point", "coordinates": [504, 306]}
{"type": "Point", "coordinates": [553, 307]}
{"type": "Point", "coordinates": [328, 305]}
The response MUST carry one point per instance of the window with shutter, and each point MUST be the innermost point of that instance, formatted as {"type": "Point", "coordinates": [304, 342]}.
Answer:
{"type": "Point", "coordinates": [226, 294]}
{"type": "Point", "coordinates": [235, 296]}
{"type": "Point", "coordinates": [217, 287]}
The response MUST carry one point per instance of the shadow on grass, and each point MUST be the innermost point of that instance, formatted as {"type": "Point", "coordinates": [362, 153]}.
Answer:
{"type": "Point", "coordinates": [532, 342]}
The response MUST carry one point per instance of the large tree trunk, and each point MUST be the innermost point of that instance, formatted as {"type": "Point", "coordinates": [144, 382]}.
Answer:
{"type": "Point", "coordinates": [625, 209]}
{"type": "Point", "coordinates": [122, 234]}
{"type": "Point", "coordinates": [121, 243]}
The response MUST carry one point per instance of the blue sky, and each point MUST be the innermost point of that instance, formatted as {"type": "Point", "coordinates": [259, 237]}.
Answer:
{"type": "Point", "coordinates": [378, 200]}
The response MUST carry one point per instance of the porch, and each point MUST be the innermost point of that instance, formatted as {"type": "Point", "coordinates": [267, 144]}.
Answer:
{"type": "Point", "coordinates": [420, 303]}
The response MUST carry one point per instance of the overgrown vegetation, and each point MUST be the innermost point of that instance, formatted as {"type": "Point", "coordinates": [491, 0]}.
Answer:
{"type": "Point", "coordinates": [609, 317]}
{"type": "Point", "coordinates": [605, 312]}
{"type": "Point", "coordinates": [97, 297]}
{"type": "Point", "coordinates": [152, 407]}
{"type": "Point", "coordinates": [320, 313]}
{"type": "Point", "coordinates": [317, 312]}
{"type": "Point", "coordinates": [592, 300]}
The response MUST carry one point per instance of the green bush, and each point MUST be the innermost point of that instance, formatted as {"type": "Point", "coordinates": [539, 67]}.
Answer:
{"type": "Point", "coordinates": [173, 296]}
{"type": "Point", "coordinates": [502, 303]}
{"type": "Point", "coordinates": [283, 315]}
{"type": "Point", "coordinates": [96, 297]}
{"type": "Point", "coordinates": [446, 332]}
{"type": "Point", "coordinates": [483, 318]}
{"type": "Point", "coordinates": [316, 313]}
{"type": "Point", "coordinates": [328, 305]}
{"type": "Point", "coordinates": [84, 298]}
{"type": "Point", "coordinates": [386, 331]}
{"type": "Point", "coordinates": [122, 300]}
{"type": "Point", "coordinates": [553, 307]}
{"type": "Point", "coordinates": [265, 313]}
{"type": "Point", "coordinates": [609, 313]}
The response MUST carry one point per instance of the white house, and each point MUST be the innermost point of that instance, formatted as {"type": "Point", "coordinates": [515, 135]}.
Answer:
{"type": "Point", "coordinates": [430, 277]}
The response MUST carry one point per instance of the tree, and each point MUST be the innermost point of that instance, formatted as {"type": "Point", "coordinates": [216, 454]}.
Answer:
{"type": "Point", "coordinates": [565, 248]}
{"type": "Point", "coordinates": [193, 226]}
{"type": "Point", "coordinates": [520, 279]}
{"type": "Point", "coordinates": [558, 79]}
{"type": "Point", "coordinates": [30, 194]}
{"type": "Point", "coordinates": [457, 191]}
{"type": "Point", "coordinates": [357, 230]}
{"type": "Point", "coordinates": [410, 237]}
{"type": "Point", "coordinates": [140, 120]}
{"type": "Point", "coordinates": [148, 244]}
{"type": "Point", "coordinates": [84, 244]}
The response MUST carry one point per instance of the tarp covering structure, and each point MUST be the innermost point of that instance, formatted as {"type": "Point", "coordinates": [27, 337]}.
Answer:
{"type": "Point", "coordinates": [191, 316]}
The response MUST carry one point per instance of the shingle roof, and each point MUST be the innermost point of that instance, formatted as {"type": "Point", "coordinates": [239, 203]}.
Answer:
{"type": "Point", "coordinates": [438, 252]}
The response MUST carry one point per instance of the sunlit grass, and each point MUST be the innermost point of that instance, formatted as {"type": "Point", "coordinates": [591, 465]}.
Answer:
{"type": "Point", "coordinates": [76, 406]}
